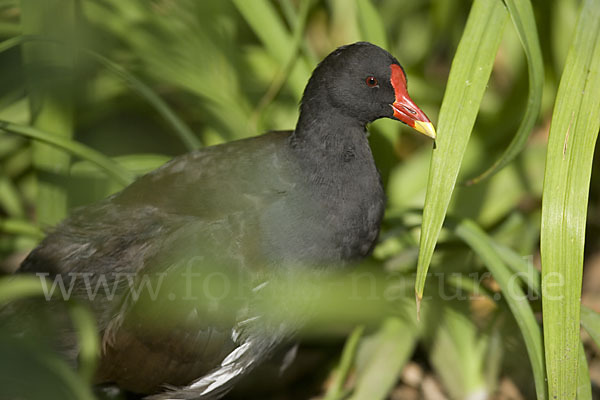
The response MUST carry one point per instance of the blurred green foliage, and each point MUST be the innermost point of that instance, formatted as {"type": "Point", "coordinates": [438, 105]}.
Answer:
{"type": "Point", "coordinates": [120, 86]}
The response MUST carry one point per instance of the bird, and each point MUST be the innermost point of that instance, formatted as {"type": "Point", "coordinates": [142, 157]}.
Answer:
{"type": "Point", "coordinates": [310, 198]}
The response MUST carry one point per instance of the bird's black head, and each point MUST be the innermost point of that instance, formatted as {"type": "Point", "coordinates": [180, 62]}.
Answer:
{"type": "Point", "coordinates": [364, 82]}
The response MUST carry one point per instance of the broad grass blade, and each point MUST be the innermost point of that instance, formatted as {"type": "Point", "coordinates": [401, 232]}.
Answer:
{"type": "Point", "coordinates": [49, 69]}
{"type": "Point", "coordinates": [573, 134]}
{"type": "Point", "coordinates": [523, 20]}
{"type": "Point", "coordinates": [263, 19]}
{"type": "Point", "coordinates": [516, 298]}
{"type": "Point", "coordinates": [389, 351]}
{"type": "Point", "coordinates": [111, 168]}
{"type": "Point", "coordinates": [468, 78]}
{"type": "Point", "coordinates": [591, 322]}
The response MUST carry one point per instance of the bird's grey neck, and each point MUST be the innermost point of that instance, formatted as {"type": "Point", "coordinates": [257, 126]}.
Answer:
{"type": "Point", "coordinates": [323, 129]}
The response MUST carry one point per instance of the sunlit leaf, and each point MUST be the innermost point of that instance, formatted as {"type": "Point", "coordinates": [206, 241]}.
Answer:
{"type": "Point", "coordinates": [265, 22]}
{"type": "Point", "coordinates": [590, 320]}
{"type": "Point", "coordinates": [523, 19]}
{"type": "Point", "coordinates": [515, 296]}
{"type": "Point", "coordinates": [573, 134]}
{"type": "Point", "coordinates": [50, 73]}
{"type": "Point", "coordinates": [388, 351]}
{"type": "Point", "coordinates": [110, 167]}
{"type": "Point", "coordinates": [468, 78]}
{"type": "Point", "coordinates": [340, 374]}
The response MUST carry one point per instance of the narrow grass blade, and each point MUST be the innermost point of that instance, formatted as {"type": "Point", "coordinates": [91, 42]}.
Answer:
{"type": "Point", "coordinates": [389, 350]}
{"type": "Point", "coordinates": [10, 200]}
{"type": "Point", "coordinates": [468, 78]}
{"type": "Point", "coordinates": [111, 168]}
{"type": "Point", "coordinates": [522, 267]}
{"type": "Point", "coordinates": [184, 132]}
{"type": "Point", "coordinates": [19, 287]}
{"type": "Point", "coordinates": [523, 20]}
{"type": "Point", "coordinates": [9, 28]}
{"type": "Point", "coordinates": [20, 227]}
{"type": "Point", "coordinates": [264, 21]}
{"type": "Point", "coordinates": [584, 385]}
{"type": "Point", "coordinates": [284, 72]}
{"type": "Point", "coordinates": [23, 363]}
{"type": "Point", "coordinates": [458, 352]}
{"type": "Point", "coordinates": [590, 320]}
{"type": "Point", "coordinates": [517, 300]}
{"type": "Point", "coordinates": [50, 82]}
{"type": "Point", "coordinates": [9, 144]}
{"type": "Point", "coordinates": [336, 390]}
{"type": "Point", "coordinates": [10, 43]}
{"type": "Point", "coordinates": [292, 19]}
{"type": "Point", "coordinates": [138, 164]}
{"type": "Point", "coordinates": [573, 134]}
{"type": "Point", "coordinates": [87, 339]}
{"type": "Point", "coordinates": [371, 26]}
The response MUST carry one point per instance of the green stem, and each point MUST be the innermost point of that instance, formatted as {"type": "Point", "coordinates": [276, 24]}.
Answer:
{"type": "Point", "coordinates": [336, 390]}
{"type": "Point", "coordinates": [112, 169]}
{"type": "Point", "coordinates": [50, 69]}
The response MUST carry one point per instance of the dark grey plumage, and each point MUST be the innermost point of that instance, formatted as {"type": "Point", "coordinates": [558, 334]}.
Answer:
{"type": "Point", "coordinates": [307, 198]}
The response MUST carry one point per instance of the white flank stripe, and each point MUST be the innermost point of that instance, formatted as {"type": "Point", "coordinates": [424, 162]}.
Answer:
{"type": "Point", "coordinates": [227, 371]}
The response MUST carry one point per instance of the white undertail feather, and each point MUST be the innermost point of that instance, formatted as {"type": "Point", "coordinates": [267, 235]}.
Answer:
{"type": "Point", "coordinates": [229, 370]}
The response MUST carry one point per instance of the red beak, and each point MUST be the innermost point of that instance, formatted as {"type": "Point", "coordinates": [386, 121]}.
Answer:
{"type": "Point", "coordinates": [405, 109]}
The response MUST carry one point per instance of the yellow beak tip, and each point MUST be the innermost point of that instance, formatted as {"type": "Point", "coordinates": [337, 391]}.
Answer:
{"type": "Point", "coordinates": [426, 128]}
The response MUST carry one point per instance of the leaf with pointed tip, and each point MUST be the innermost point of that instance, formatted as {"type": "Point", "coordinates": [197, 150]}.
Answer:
{"type": "Point", "coordinates": [523, 19]}
{"type": "Point", "coordinates": [571, 143]}
{"type": "Point", "coordinates": [469, 75]}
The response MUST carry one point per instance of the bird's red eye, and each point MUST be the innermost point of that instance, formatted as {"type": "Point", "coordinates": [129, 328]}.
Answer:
{"type": "Point", "coordinates": [371, 81]}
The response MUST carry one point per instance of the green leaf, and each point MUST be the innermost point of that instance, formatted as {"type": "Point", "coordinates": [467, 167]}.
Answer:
{"type": "Point", "coordinates": [584, 385]}
{"type": "Point", "coordinates": [10, 43]}
{"type": "Point", "coordinates": [88, 340]}
{"type": "Point", "coordinates": [288, 64]}
{"type": "Point", "coordinates": [184, 132]}
{"type": "Point", "coordinates": [9, 28]}
{"type": "Point", "coordinates": [573, 134]}
{"type": "Point", "coordinates": [264, 21]}
{"type": "Point", "coordinates": [388, 350]}
{"type": "Point", "coordinates": [468, 78]}
{"type": "Point", "coordinates": [10, 200]}
{"type": "Point", "coordinates": [20, 287]}
{"type": "Point", "coordinates": [20, 227]}
{"type": "Point", "coordinates": [517, 300]}
{"type": "Point", "coordinates": [23, 363]}
{"type": "Point", "coordinates": [138, 164]}
{"type": "Point", "coordinates": [340, 374]}
{"type": "Point", "coordinates": [111, 168]}
{"type": "Point", "coordinates": [8, 3]}
{"type": "Point", "coordinates": [525, 270]}
{"type": "Point", "coordinates": [590, 320]}
{"type": "Point", "coordinates": [523, 19]}
{"type": "Point", "coordinates": [459, 351]}
{"type": "Point", "coordinates": [49, 69]}
{"type": "Point", "coordinates": [371, 26]}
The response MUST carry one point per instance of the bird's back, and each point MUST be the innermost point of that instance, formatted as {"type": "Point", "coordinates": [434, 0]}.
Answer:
{"type": "Point", "coordinates": [238, 210]}
{"type": "Point", "coordinates": [200, 212]}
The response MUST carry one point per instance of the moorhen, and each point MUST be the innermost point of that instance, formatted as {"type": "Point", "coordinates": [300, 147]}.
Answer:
{"type": "Point", "coordinates": [310, 198]}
